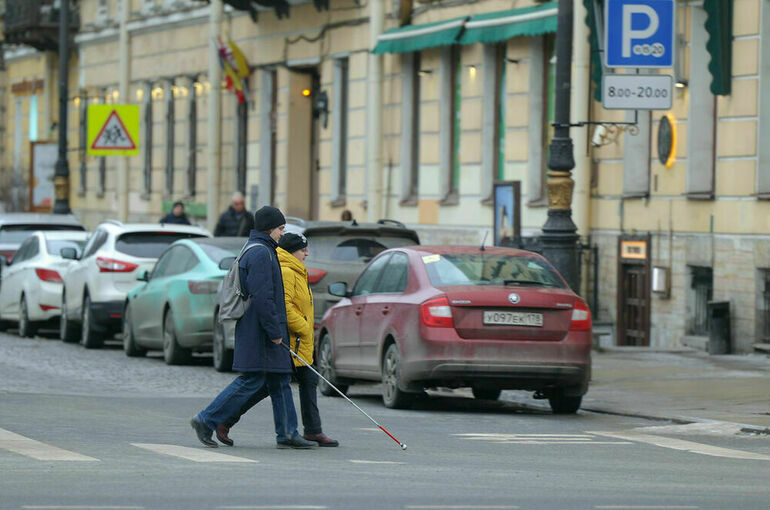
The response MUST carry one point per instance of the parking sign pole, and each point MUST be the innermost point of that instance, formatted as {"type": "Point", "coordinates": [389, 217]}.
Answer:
{"type": "Point", "coordinates": [61, 180]}
{"type": "Point", "coordinates": [560, 238]}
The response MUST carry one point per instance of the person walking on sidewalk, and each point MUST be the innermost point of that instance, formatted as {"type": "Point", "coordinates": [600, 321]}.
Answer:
{"type": "Point", "coordinates": [236, 220]}
{"type": "Point", "coordinates": [292, 252]}
{"type": "Point", "coordinates": [259, 355]}
{"type": "Point", "coordinates": [177, 215]}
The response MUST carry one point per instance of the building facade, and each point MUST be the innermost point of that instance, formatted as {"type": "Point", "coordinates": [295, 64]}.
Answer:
{"type": "Point", "coordinates": [413, 111]}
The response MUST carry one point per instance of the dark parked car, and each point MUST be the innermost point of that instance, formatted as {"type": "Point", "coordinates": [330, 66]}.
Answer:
{"type": "Point", "coordinates": [458, 316]}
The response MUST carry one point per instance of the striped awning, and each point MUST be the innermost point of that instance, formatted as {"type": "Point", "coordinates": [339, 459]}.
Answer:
{"type": "Point", "coordinates": [419, 37]}
{"type": "Point", "coordinates": [500, 26]}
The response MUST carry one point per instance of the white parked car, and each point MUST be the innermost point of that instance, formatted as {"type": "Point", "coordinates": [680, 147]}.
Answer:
{"type": "Point", "coordinates": [16, 227]}
{"type": "Point", "coordinates": [95, 287]}
{"type": "Point", "coordinates": [31, 285]}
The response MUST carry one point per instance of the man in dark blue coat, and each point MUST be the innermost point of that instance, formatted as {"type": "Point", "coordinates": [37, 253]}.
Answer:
{"type": "Point", "coordinates": [259, 355]}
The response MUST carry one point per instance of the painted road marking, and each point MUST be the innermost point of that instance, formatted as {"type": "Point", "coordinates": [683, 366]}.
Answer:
{"type": "Point", "coordinates": [645, 507]}
{"type": "Point", "coordinates": [537, 438]}
{"type": "Point", "coordinates": [81, 507]}
{"type": "Point", "coordinates": [375, 462]}
{"type": "Point", "coordinates": [37, 450]}
{"type": "Point", "coordinates": [688, 446]}
{"type": "Point", "coordinates": [274, 507]}
{"type": "Point", "coordinates": [193, 454]}
{"type": "Point", "coordinates": [461, 507]}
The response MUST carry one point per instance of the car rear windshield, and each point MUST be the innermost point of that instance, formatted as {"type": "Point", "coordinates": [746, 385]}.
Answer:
{"type": "Point", "coordinates": [18, 233]}
{"type": "Point", "coordinates": [217, 253]}
{"type": "Point", "coordinates": [493, 269]}
{"type": "Point", "coordinates": [54, 246]}
{"type": "Point", "coordinates": [149, 244]}
{"type": "Point", "coordinates": [358, 249]}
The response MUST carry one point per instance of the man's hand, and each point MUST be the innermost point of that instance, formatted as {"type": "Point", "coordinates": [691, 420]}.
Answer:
{"type": "Point", "coordinates": [277, 340]}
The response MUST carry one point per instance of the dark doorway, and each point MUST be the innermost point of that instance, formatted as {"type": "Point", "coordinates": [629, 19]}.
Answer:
{"type": "Point", "coordinates": [634, 291]}
{"type": "Point", "coordinates": [302, 188]}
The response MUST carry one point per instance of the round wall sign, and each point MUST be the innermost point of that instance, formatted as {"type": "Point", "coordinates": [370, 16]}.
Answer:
{"type": "Point", "coordinates": [667, 140]}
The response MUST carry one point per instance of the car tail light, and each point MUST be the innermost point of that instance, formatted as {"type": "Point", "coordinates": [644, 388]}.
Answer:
{"type": "Point", "coordinates": [114, 266]}
{"type": "Point", "coordinates": [7, 254]}
{"type": "Point", "coordinates": [203, 287]}
{"type": "Point", "coordinates": [436, 313]}
{"type": "Point", "coordinates": [315, 275]}
{"type": "Point", "coordinates": [48, 275]}
{"type": "Point", "coordinates": [581, 317]}
{"type": "Point", "coordinates": [45, 308]}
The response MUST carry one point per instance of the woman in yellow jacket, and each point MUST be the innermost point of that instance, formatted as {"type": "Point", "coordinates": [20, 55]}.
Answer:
{"type": "Point", "coordinates": [292, 252]}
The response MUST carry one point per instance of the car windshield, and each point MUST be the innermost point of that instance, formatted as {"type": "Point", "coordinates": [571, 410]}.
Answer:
{"type": "Point", "coordinates": [149, 244]}
{"type": "Point", "coordinates": [18, 233]}
{"type": "Point", "coordinates": [353, 249]}
{"type": "Point", "coordinates": [217, 253]}
{"type": "Point", "coordinates": [54, 246]}
{"type": "Point", "coordinates": [492, 269]}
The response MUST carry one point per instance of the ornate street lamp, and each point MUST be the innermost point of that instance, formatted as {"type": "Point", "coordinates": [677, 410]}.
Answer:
{"type": "Point", "coordinates": [61, 180]}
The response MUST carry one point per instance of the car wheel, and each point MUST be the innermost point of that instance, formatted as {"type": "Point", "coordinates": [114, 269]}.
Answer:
{"type": "Point", "coordinates": [392, 396]}
{"type": "Point", "coordinates": [223, 357]}
{"type": "Point", "coordinates": [130, 347]}
{"type": "Point", "coordinates": [562, 404]}
{"type": "Point", "coordinates": [26, 328]}
{"type": "Point", "coordinates": [486, 393]}
{"type": "Point", "coordinates": [326, 368]}
{"type": "Point", "coordinates": [173, 353]}
{"type": "Point", "coordinates": [89, 338]}
{"type": "Point", "coordinates": [67, 329]}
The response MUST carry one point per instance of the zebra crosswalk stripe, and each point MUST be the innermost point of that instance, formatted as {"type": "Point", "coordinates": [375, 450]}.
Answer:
{"type": "Point", "coordinates": [537, 438]}
{"type": "Point", "coordinates": [37, 450]}
{"type": "Point", "coordinates": [193, 454]}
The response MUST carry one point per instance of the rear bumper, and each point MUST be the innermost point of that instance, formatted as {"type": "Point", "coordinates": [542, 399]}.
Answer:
{"type": "Point", "coordinates": [107, 315]}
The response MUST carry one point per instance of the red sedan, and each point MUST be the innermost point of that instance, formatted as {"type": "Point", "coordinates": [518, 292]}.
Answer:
{"type": "Point", "coordinates": [459, 316]}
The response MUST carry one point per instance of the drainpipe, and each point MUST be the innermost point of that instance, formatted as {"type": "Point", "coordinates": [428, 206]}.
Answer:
{"type": "Point", "coordinates": [374, 196]}
{"type": "Point", "coordinates": [581, 59]}
{"type": "Point", "coordinates": [215, 118]}
{"type": "Point", "coordinates": [124, 70]}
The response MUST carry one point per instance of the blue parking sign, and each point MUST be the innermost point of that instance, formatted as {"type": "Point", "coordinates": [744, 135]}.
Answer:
{"type": "Point", "coordinates": [639, 33]}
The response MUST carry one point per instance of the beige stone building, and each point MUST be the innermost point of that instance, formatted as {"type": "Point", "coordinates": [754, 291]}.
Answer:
{"type": "Point", "coordinates": [419, 130]}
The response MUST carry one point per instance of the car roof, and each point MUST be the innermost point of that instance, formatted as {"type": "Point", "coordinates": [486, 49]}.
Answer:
{"type": "Point", "coordinates": [43, 219]}
{"type": "Point", "coordinates": [67, 235]}
{"type": "Point", "coordinates": [349, 229]}
{"type": "Point", "coordinates": [228, 243]}
{"type": "Point", "coordinates": [115, 225]}
{"type": "Point", "coordinates": [469, 250]}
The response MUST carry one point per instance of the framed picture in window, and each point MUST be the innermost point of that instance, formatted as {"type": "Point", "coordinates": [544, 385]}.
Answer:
{"type": "Point", "coordinates": [507, 217]}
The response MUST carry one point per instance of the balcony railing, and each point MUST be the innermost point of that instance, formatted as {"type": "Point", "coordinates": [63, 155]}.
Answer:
{"type": "Point", "coordinates": [35, 23]}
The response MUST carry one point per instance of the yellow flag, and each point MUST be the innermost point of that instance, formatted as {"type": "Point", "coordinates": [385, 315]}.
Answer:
{"type": "Point", "coordinates": [241, 64]}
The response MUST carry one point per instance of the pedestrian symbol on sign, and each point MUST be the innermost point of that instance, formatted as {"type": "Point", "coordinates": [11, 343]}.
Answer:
{"type": "Point", "coordinates": [113, 135]}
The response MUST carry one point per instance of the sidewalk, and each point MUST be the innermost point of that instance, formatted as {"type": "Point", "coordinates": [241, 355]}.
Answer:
{"type": "Point", "coordinates": [686, 386]}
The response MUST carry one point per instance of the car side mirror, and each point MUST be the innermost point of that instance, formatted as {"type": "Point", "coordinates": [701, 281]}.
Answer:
{"type": "Point", "coordinates": [143, 276]}
{"type": "Point", "coordinates": [69, 253]}
{"type": "Point", "coordinates": [339, 289]}
{"type": "Point", "coordinates": [226, 262]}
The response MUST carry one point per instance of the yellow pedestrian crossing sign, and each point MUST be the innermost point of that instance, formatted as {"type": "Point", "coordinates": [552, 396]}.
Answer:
{"type": "Point", "coordinates": [113, 129]}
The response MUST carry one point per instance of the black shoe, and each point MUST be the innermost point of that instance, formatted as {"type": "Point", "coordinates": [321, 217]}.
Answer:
{"type": "Point", "coordinates": [203, 432]}
{"type": "Point", "coordinates": [322, 439]}
{"type": "Point", "coordinates": [295, 442]}
{"type": "Point", "coordinates": [222, 434]}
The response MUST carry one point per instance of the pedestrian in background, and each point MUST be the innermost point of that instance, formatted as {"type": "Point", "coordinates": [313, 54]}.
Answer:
{"type": "Point", "coordinates": [292, 252]}
{"type": "Point", "coordinates": [259, 355]}
{"type": "Point", "coordinates": [236, 220]}
{"type": "Point", "coordinates": [176, 215]}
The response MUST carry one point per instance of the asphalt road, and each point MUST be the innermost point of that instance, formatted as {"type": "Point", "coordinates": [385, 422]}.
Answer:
{"type": "Point", "coordinates": [96, 430]}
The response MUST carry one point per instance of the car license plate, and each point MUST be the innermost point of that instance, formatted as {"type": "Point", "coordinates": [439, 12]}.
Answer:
{"type": "Point", "coordinates": [513, 318]}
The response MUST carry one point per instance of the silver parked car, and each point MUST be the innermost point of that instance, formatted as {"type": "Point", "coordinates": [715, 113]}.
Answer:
{"type": "Point", "coordinates": [95, 287]}
{"type": "Point", "coordinates": [30, 290]}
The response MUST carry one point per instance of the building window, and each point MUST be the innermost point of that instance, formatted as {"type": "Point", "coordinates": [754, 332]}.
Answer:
{"type": "Point", "coordinates": [542, 62]}
{"type": "Point", "coordinates": [147, 144]}
{"type": "Point", "coordinates": [764, 306]}
{"type": "Point", "coordinates": [268, 98]}
{"type": "Point", "coordinates": [410, 128]}
{"type": "Point", "coordinates": [33, 119]}
{"type": "Point", "coordinates": [170, 138]}
{"type": "Point", "coordinates": [242, 123]}
{"type": "Point", "coordinates": [449, 130]}
{"type": "Point", "coordinates": [340, 132]}
{"type": "Point", "coordinates": [701, 121]}
{"type": "Point", "coordinates": [702, 288]}
{"type": "Point", "coordinates": [493, 118]}
{"type": "Point", "coordinates": [192, 138]}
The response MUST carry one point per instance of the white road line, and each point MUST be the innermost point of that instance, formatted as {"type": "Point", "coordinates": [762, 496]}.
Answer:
{"type": "Point", "coordinates": [688, 446]}
{"type": "Point", "coordinates": [193, 454]}
{"type": "Point", "coordinates": [375, 462]}
{"type": "Point", "coordinates": [274, 507]}
{"type": "Point", "coordinates": [645, 507]}
{"type": "Point", "coordinates": [563, 442]}
{"type": "Point", "coordinates": [37, 450]}
{"type": "Point", "coordinates": [520, 436]}
{"type": "Point", "coordinates": [460, 507]}
{"type": "Point", "coordinates": [81, 507]}
{"type": "Point", "coordinates": [537, 439]}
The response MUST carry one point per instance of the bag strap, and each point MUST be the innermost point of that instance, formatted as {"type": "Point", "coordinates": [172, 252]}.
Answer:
{"type": "Point", "coordinates": [250, 246]}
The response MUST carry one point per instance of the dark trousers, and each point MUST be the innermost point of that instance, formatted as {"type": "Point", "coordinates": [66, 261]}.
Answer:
{"type": "Point", "coordinates": [308, 401]}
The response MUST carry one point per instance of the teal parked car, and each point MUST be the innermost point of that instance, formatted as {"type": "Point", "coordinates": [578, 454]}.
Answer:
{"type": "Point", "coordinates": [173, 309]}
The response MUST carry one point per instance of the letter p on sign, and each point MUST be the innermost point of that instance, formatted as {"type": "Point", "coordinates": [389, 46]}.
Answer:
{"type": "Point", "coordinates": [639, 33]}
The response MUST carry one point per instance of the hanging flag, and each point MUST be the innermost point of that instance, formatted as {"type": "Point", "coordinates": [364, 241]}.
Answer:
{"type": "Point", "coordinates": [240, 60]}
{"type": "Point", "coordinates": [233, 80]}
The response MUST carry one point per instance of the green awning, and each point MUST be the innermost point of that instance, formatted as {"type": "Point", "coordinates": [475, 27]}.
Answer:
{"type": "Point", "coordinates": [419, 37]}
{"type": "Point", "coordinates": [500, 26]}
{"type": "Point", "coordinates": [719, 25]}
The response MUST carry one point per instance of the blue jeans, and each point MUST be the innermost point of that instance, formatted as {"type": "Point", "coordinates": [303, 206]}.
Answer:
{"type": "Point", "coordinates": [238, 393]}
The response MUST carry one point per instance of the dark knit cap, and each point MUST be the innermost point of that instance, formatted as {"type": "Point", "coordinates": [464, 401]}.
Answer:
{"type": "Point", "coordinates": [292, 242]}
{"type": "Point", "coordinates": [267, 218]}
